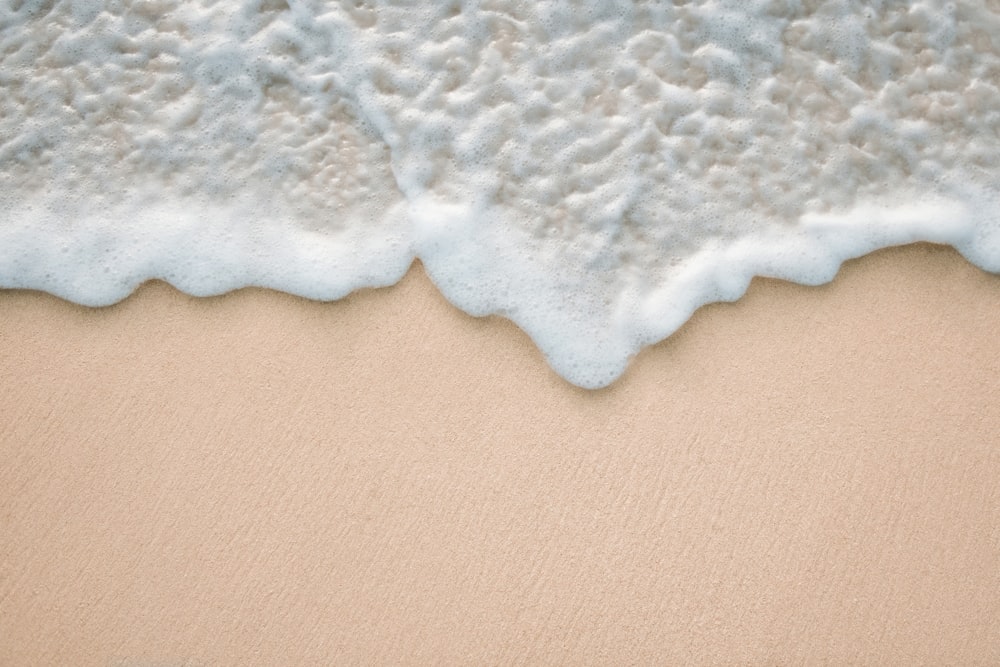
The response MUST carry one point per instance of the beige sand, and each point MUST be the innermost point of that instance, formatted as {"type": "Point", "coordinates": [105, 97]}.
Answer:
{"type": "Point", "coordinates": [810, 474]}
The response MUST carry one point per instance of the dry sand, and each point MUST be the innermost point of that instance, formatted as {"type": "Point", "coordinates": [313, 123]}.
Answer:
{"type": "Point", "coordinates": [811, 474]}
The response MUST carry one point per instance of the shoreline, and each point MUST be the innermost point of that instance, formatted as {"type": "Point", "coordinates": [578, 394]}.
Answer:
{"type": "Point", "coordinates": [807, 474]}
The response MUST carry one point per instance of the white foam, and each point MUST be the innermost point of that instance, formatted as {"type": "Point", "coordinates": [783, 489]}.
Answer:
{"type": "Point", "coordinates": [595, 171]}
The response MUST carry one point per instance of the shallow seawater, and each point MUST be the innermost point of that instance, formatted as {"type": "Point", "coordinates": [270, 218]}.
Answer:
{"type": "Point", "coordinates": [594, 171]}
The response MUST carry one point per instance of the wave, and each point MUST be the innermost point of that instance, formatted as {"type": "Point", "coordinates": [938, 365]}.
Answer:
{"type": "Point", "coordinates": [594, 171]}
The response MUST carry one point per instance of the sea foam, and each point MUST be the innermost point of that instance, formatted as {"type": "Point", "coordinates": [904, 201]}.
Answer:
{"type": "Point", "coordinates": [593, 170]}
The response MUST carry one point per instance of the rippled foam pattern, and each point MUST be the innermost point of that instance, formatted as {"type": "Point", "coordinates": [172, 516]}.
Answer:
{"type": "Point", "coordinates": [594, 171]}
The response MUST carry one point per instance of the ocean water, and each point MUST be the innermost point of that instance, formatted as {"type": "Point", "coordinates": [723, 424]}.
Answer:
{"type": "Point", "coordinates": [593, 170]}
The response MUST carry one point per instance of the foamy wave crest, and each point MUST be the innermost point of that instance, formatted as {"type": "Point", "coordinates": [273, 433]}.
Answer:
{"type": "Point", "coordinates": [593, 170]}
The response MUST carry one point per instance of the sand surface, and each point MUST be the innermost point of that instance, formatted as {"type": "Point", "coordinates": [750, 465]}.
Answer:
{"type": "Point", "coordinates": [811, 474]}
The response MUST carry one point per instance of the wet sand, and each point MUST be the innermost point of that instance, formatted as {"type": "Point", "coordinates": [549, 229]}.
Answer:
{"type": "Point", "coordinates": [808, 475]}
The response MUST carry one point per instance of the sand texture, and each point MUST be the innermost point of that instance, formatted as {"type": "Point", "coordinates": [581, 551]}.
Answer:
{"type": "Point", "coordinates": [808, 475]}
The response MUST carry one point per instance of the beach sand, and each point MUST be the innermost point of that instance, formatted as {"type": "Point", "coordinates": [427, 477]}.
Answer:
{"type": "Point", "coordinates": [807, 475]}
